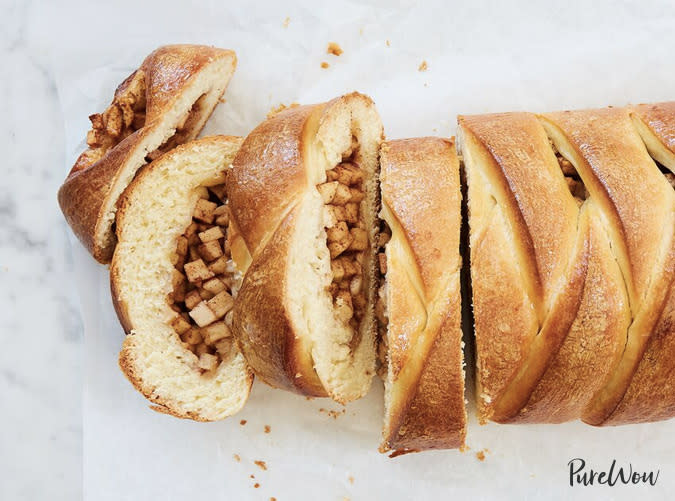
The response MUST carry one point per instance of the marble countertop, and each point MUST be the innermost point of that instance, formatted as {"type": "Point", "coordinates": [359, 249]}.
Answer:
{"type": "Point", "coordinates": [40, 326]}
{"type": "Point", "coordinates": [42, 365]}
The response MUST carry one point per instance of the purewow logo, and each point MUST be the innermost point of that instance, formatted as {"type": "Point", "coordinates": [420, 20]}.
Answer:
{"type": "Point", "coordinates": [579, 475]}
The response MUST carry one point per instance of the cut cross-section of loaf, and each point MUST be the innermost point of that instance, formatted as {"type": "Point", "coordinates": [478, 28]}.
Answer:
{"type": "Point", "coordinates": [162, 104]}
{"type": "Point", "coordinates": [304, 199]}
{"type": "Point", "coordinates": [419, 303]}
{"type": "Point", "coordinates": [173, 278]}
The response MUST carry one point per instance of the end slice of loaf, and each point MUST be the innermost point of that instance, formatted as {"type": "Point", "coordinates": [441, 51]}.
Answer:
{"type": "Point", "coordinates": [172, 93]}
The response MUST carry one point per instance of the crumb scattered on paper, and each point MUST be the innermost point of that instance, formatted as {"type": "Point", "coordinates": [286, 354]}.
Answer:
{"type": "Point", "coordinates": [334, 49]}
{"type": "Point", "coordinates": [324, 65]}
{"type": "Point", "coordinates": [261, 464]}
{"type": "Point", "coordinates": [332, 413]}
{"type": "Point", "coordinates": [256, 485]}
{"type": "Point", "coordinates": [268, 428]}
{"type": "Point", "coordinates": [464, 447]}
{"type": "Point", "coordinates": [251, 475]}
{"type": "Point", "coordinates": [286, 21]}
{"type": "Point", "coordinates": [480, 455]}
{"type": "Point", "coordinates": [273, 498]}
{"type": "Point", "coordinates": [387, 43]}
{"type": "Point", "coordinates": [423, 66]}
{"type": "Point", "coordinates": [222, 100]}
{"type": "Point", "coordinates": [237, 458]}
{"type": "Point", "coordinates": [243, 422]}
{"type": "Point", "coordinates": [278, 109]}
{"type": "Point", "coordinates": [351, 479]}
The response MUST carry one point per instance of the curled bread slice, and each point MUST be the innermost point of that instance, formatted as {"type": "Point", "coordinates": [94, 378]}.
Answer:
{"type": "Point", "coordinates": [550, 309]}
{"type": "Point", "coordinates": [179, 352]}
{"type": "Point", "coordinates": [636, 208]}
{"type": "Point", "coordinates": [419, 302]}
{"type": "Point", "coordinates": [165, 102]}
{"type": "Point", "coordinates": [303, 193]}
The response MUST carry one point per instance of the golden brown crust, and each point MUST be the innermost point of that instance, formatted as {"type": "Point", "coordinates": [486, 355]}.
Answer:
{"type": "Point", "coordinates": [271, 164]}
{"type": "Point", "coordinates": [263, 329]}
{"type": "Point", "coordinates": [610, 157]}
{"type": "Point", "coordinates": [267, 177]}
{"type": "Point", "coordinates": [84, 193]}
{"type": "Point", "coordinates": [271, 176]}
{"type": "Point", "coordinates": [526, 177]}
{"type": "Point", "coordinates": [659, 119]}
{"type": "Point", "coordinates": [610, 169]}
{"type": "Point", "coordinates": [519, 334]}
{"type": "Point", "coordinates": [421, 195]}
{"type": "Point", "coordinates": [593, 345]}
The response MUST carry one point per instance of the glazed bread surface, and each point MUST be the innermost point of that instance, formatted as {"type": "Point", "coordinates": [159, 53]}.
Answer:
{"type": "Point", "coordinates": [284, 318]}
{"type": "Point", "coordinates": [165, 102]}
{"type": "Point", "coordinates": [656, 125]}
{"type": "Point", "coordinates": [154, 211]}
{"type": "Point", "coordinates": [542, 275]}
{"type": "Point", "coordinates": [424, 383]}
{"type": "Point", "coordinates": [637, 211]}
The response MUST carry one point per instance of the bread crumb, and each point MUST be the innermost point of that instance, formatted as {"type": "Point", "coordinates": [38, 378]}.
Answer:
{"type": "Point", "coordinates": [222, 100]}
{"type": "Point", "coordinates": [237, 458]}
{"type": "Point", "coordinates": [286, 21]}
{"type": "Point", "coordinates": [256, 485]}
{"type": "Point", "coordinates": [261, 464]}
{"type": "Point", "coordinates": [268, 428]}
{"type": "Point", "coordinates": [273, 498]}
{"type": "Point", "coordinates": [351, 480]}
{"type": "Point", "coordinates": [324, 65]}
{"type": "Point", "coordinates": [387, 43]}
{"type": "Point", "coordinates": [334, 49]}
{"type": "Point", "coordinates": [278, 109]}
{"type": "Point", "coordinates": [423, 66]}
{"type": "Point", "coordinates": [332, 413]}
{"type": "Point", "coordinates": [243, 422]}
{"type": "Point", "coordinates": [480, 455]}
{"type": "Point", "coordinates": [464, 448]}
{"type": "Point", "coordinates": [309, 398]}
{"type": "Point", "coordinates": [251, 475]}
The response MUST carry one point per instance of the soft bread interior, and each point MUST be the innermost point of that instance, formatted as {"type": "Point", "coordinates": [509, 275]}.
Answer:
{"type": "Point", "coordinates": [344, 366]}
{"type": "Point", "coordinates": [192, 107]}
{"type": "Point", "coordinates": [155, 211]}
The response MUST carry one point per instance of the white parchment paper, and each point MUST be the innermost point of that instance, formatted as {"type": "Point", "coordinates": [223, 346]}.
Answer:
{"type": "Point", "coordinates": [481, 57]}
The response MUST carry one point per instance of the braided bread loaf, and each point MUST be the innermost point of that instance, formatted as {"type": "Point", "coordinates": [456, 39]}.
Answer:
{"type": "Point", "coordinates": [571, 265]}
